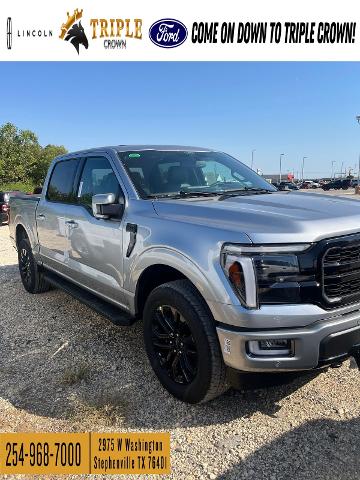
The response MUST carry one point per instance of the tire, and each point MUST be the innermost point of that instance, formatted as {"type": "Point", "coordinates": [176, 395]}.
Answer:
{"type": "Point", "coordinates": [31, 276]}
{"type": "Point", "coordinates": [176, 314]}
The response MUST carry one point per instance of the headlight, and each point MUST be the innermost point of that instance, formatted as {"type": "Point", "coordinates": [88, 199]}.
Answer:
{"type": "Point", "coordinates": [264, 274]}
{"type": "Point", "coordinates": [241, 274]}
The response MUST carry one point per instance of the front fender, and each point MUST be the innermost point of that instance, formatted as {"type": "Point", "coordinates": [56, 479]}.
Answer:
{"type": "Point", "coordinates": [210, 285]}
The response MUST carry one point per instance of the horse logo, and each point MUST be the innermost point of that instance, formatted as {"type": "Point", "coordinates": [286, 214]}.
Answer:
{"type": "Point", "coordinates": [73, 31]}
{"type": "Point", "coordinates": [76, 35]}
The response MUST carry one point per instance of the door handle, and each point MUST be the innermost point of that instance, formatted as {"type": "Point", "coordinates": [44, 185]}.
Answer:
{"type": "Point", "coordinates": [40, 216]}
{"type": "Point", "coordinates": [71, 224]}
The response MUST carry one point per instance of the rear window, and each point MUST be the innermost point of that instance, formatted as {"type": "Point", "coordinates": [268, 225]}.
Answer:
{"type": "Point", "coordinates": [61, 185]}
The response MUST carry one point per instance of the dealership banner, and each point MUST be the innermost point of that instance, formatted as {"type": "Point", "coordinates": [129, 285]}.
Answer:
{"type": "Point", "coordinates": [84, 30]}
{"type": "Point", "coordinates": [84, 453]}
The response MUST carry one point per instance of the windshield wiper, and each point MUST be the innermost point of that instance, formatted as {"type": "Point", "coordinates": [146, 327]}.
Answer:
{"type": "Point", "coordinates": [185, 194]}
{"type": "Point", "coordinates": [244, 191]}
{"type": "Point", "coordinates": [161, 195]}
{"type": "Point", "coordinates": [222, 194]}
{"type": "Point", "coordinates": [194, 193]}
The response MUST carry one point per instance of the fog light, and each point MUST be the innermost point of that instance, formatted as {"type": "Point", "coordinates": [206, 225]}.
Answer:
{"type": "Point", "coordinates": [271, 344]}
{"type": "Point", "coordinates": [271, 347]}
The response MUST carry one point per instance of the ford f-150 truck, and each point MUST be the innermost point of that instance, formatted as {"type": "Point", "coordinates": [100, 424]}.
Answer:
{"type": "Point", "coordinates": [228, 274]}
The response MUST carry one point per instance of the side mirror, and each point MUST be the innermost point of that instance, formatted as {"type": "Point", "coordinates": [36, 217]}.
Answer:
{"type": "Point", "coordinates": [104, 206]}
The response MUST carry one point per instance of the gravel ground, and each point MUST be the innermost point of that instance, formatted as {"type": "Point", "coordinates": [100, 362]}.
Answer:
{"type": "Point", "coordinates": [65, 368]}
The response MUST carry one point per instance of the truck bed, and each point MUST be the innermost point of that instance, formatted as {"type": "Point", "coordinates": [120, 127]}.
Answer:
{"type": "Point", "coordinates": [22, 211]}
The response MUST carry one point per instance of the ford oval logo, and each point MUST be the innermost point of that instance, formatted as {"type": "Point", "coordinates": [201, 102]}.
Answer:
{"type": "Point", "coordinates": [168, 33]}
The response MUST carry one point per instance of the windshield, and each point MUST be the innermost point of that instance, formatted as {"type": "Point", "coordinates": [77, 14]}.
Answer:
{"type": "Point", "coordinates": [168, 173]}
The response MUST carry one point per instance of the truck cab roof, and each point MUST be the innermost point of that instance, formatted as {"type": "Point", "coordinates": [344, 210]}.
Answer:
{"type": "Point", "coordinates": [126, 148]}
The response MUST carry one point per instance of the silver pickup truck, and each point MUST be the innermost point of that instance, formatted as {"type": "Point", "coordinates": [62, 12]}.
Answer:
{"type": "Point", "coordinates": [228, 274]}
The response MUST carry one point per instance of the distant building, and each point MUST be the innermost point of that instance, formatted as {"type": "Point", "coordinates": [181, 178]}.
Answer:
{"type": "Point", "coordinates": [273, 178]}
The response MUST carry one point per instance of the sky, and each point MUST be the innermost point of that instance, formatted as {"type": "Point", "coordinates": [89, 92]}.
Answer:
{"type": "Point", "coordinates": [296, 108]}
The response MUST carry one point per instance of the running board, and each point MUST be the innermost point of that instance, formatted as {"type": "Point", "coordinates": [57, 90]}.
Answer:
{"type": "Point", "coordinates": [111, 312]}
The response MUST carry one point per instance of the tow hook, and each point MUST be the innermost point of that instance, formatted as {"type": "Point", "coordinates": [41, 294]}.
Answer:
{"type": "Point", "coordinates": [355, 353]}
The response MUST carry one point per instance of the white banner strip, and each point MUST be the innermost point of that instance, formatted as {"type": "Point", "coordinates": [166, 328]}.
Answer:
{"type": "Point", "coordinates": [86, 30]}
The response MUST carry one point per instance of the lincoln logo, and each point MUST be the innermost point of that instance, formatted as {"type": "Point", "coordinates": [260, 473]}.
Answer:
{"type": "Point", "coordinates": [9, 33]}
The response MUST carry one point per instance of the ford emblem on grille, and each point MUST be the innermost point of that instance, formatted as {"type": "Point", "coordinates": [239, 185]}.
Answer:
{"type": "Point", "coordinates": [168, 33]}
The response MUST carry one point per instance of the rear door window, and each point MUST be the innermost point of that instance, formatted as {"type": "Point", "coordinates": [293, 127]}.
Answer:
{"type": "Point", "coordinates": [61, 185]}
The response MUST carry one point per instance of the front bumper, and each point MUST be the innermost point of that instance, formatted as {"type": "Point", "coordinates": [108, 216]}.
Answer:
{"type": "Point", "coordinates": [323, 342]}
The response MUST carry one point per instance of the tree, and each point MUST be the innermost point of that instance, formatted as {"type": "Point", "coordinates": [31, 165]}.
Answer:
{"type": "Point", "coordinates": [22, 159]}
{"type": "Point", "coordinates": [19, 152]}
{"type": "Point", "coordinates": [47, 154]}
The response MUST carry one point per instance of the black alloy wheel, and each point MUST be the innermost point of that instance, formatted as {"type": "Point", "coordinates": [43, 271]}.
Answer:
{"type": "Point", "coordinates": [182, 344]}
{"type": "Point", "coordinates": [174, 344]}
{"type": "Point", "coordinates": [31, 275]}
{"type": "Point", "coordinates": [25, 266]}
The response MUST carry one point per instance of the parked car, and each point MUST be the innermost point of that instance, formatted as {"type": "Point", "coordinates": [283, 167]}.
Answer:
{"type": "Point", "coordinates": [341, 183]}
{"type": "Point", "coordinates": [4, 207]}
{"type": "Point", "coordinates": [5, 204]}
{"type": "Point", "coordinates": [310, 184]}
{"type": "Point", "coordinates": [288, 186]}
{"type": "Point", "coordinates": [229, 275]}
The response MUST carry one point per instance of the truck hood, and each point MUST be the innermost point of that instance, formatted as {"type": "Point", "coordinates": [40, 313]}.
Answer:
{"type": "Point", "coordinates": [279, 217]}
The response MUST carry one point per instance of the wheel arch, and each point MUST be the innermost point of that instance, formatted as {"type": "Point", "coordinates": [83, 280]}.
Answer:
{"type": "Point", "coordinates": [160, 266]}
{"type": "Point", "coordinates": [23, 230]}
{"type": "Point", "coordinates": [20, 233]}
{"type": "Point", "coordinates": [153, 276]}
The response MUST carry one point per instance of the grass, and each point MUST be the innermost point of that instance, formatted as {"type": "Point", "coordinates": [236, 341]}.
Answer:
{"type": "Point", "coordinates": [22, 186]}
{"type": "Point", "coordinates": [75, 374]}
{"type": "Point", "coordinates": [104, 411]}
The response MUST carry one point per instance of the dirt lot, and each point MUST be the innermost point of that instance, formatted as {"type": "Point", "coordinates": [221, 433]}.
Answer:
{"type": "Point", "coordinates": [64, 368]}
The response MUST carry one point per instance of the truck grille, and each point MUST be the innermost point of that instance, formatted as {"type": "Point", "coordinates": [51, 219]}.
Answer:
{"type": "Point", "coordinates": [341, 272]}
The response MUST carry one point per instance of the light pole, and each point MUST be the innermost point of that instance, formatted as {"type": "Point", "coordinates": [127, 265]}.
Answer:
{"type": "Point", "coordinates": [281, 155]}
{"type": "Point", "coordinates": [252, 158]}
{"type": "Point", "coordinates": [358, 120]}
{"type": "Point", "coordinates": [302, 169]}
{"type": "Point", "coordinates": [332, 169]}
